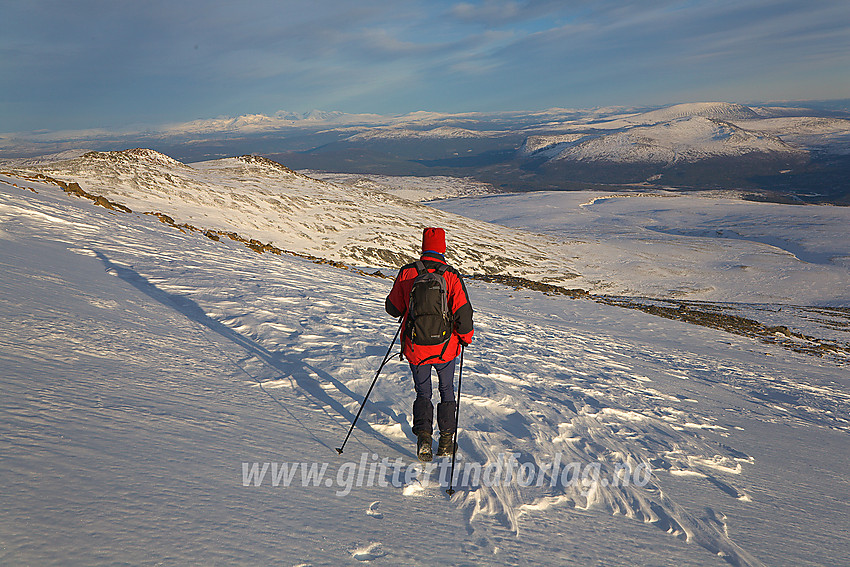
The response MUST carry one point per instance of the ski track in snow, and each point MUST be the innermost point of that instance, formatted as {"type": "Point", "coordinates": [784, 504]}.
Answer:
{"type": "Point", "coordinates": [535, 384]}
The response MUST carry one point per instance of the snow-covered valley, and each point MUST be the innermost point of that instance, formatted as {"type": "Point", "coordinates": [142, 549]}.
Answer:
{"type": "Point", "coordinates": [146, 367]}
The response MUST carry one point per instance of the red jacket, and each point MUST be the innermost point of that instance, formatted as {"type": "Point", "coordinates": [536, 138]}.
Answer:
{"type": "Point", "coordinates": [458, 299]}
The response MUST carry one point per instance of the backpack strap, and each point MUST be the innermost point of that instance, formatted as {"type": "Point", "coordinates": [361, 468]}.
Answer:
{"type": "Point", "coordinates": [440, 356]}
{"type": "Point", "coordinates": [420, 268]}
{"type": "Point", "coordinates": [441, 271]}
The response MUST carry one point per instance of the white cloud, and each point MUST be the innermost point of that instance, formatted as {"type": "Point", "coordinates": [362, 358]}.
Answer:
{"type": "Point", "coordinates": [488, 12]}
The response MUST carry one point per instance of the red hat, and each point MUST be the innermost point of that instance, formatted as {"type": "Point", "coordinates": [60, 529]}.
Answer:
{"type": "Point", "coordinates": [434, 240]}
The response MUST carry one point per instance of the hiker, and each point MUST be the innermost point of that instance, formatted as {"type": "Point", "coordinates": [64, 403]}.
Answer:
{"type": "Point", "coordinates": [438, 322]}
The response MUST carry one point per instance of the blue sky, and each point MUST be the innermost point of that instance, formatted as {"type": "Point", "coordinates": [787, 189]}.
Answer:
{"type": "Point", "coordinates": [113, 64]}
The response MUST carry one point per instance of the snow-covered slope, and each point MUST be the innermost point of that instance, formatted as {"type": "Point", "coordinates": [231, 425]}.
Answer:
{"type": "Point", "coordinates": [714, 110]}
{"type": "Point", "coordinates": [150, 372]}
{"type": "Point", "coordinates": [548, 146]}
{"type": "Point", "coordinates": [687, 139]}
{"type": "Point", "coordinates": [409, 187]}
{"type": "Point", "coordinates": [263, 200]}
{"type": "Point", "coordinates": [825, 134]}
{"type": "Point", "coordinates": [672, 245]}
{"type": "Point", "coordinates": [42, 160]}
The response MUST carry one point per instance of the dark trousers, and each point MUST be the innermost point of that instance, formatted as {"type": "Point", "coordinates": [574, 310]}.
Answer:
{"type": "Point", "coordinates": [423, 409]}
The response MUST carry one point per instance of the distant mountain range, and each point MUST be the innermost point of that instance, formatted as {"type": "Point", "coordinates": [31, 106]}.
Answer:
{"type": "Point", "coordinates": [777, 152]}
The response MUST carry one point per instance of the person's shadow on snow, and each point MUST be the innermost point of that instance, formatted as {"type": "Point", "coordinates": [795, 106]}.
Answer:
{"type": "Point", "coordinates": [302, 373]}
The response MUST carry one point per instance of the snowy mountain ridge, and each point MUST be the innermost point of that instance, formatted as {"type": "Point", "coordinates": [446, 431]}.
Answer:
{"type": "Point", "coordinates": [683, 133]}
{"type": "Point", "coordinates": [686, 139]}
{"type": "Point", "coordinates": [269, 202]}
{"type": "Point", "coordinates": [717, 110]}
{"type": "Point", "coordinates": [444, 132]}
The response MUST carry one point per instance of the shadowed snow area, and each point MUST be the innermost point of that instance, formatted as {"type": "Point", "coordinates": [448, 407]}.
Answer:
{"type": "Point", "coordinates": [147, 368]}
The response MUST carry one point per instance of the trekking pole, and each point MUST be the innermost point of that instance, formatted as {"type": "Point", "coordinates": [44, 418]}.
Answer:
{"type": "Point", "coordinates": [381, 367]}
{"type": "Point", "coordinates": [451, 490]}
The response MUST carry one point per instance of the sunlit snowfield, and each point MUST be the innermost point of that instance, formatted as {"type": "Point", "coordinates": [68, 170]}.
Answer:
{"type": "Point", "coordinates": [143, 365]}
{"type": "Point", "coordinates": [680, 244]}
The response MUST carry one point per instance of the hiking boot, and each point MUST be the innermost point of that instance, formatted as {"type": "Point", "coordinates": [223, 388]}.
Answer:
{"type": "Point", "coordinates": [447, 446]}
{"type": "Point", "coordinates": [423, 447]}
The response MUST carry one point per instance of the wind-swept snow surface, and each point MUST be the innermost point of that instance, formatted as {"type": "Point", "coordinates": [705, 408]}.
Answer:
{"type": "Point", "coordinates": [173, 399]}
